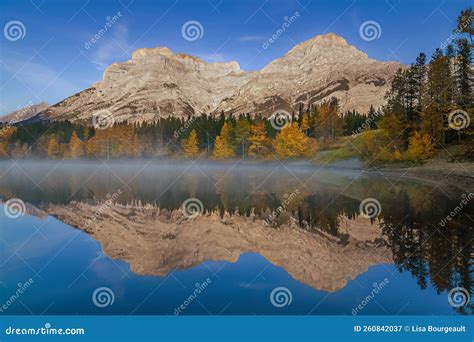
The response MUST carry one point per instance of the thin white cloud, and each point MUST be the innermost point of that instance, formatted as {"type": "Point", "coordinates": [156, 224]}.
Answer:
{"type": "Point", "coordinates": [213, 57]}
{"type": "Point", "coordinates": [255, 38]}
{"type": "Point", "coordinates": [38, 81]}
{"type": "Point", "coordinates": [110, 47]}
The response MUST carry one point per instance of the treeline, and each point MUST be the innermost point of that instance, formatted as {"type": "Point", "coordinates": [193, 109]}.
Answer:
{"type": "Point", "coordinates": [430, 103]}
{"type": "Point", "coordinates": [286, 135]}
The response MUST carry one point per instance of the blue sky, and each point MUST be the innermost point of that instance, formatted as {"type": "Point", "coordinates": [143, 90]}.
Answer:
{"type": "Point", "coordinates": [50, 62]}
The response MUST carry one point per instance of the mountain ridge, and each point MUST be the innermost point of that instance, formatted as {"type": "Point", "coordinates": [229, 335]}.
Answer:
{"type": "Point", "coordinates": [156, 82]}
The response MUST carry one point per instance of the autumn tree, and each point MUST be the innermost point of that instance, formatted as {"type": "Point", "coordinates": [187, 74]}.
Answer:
{"type": "Point", "coordinates": [329, 123]}
{"type": "Point", "coordinates": [242, 132]}
{"type": "Point", "coordinates": [190, 145]}
{"type": "Point", "coordinates": [421, 147]}
{"type": "Point", "coordinates": [259, 141]}
{"type": "Point", "coordinates": [75, 147]}
{"type": "Point", "coordinates": [292, 143]}
{"type": "Point", "coordinates": [222, 147]}
{"type": "Point", "coordinates": [54, 150]}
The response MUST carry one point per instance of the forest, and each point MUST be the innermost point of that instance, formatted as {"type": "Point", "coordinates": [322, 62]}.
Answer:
{"type": "Point", "coordinates": [427, 108]}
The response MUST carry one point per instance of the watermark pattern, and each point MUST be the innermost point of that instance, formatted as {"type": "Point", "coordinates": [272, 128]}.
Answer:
{"type": "Point", "coordinates": [192, 208]}
{"type": "Point", "coordinates": [14, 208]}
{"type": "Point", "coordinates": [459, 119]}
{"type": "Point", "coordinates": [377, 288]}
{"type": "Point", "coordinates": [19, 114]}
{"type": "Point", "coordinates": [46, 330]}
{"type": "Point", "coordinates": [281, 297]}
{"type": "Point", "coordinates": [22, 287]}
{"type": "Point", "coordinates": [280, 119]}
{"type": "Point", "coordinates": [103, 119]}
{"type": "Point", "coordinates": [104, 206]}
{"type": "Point", "coordinates": [192, 30]}
{"type": "Point", "coordinates": [109, 22]}
{"type": "Point", "coordinates": [14, 30]}
{"type": "Point", "coordinates": [465, 200]}
{"type": "Point", "coordinates": [287, 199]}
{"type": "Point", "coordinates": [370, 208]}
{"type": "Point", "coordinates": [458, 297]}
{"type": "Point", "coordinates": [180, 131]}
{"type": "Point", "coordinates": [455, 34]}
{"type": "Point", "coordinates": [365, 125]}
{"type": "Point", "coordinates": [287, 21]}
{"type": "Point", "coordinates": [103, 297]}
{"type": "Point", "coordinates": [370, 30]}
{"type": "Point", "coordinates": [200, 287]}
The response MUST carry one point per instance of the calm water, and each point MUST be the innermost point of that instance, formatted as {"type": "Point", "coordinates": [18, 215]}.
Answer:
{"type": "Point", "coordinates": [408, 253]}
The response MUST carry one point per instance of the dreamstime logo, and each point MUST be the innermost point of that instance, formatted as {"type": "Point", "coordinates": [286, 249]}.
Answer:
{"type": "Point", "coordinates": [184, 127]}
{"type": "Point", "coordinates": [458, 297]}
{"type": "Point", "coordinates": [280, 297]}
{"type": "Point", "coordinates": [287, 199]}
{"type": "Point", "coordinates": [103, 119]}
{"type": "Point", "coordinates": [109, 22]}
{"type": "Point", "coordinates": [459, 119]}
{"type": "Point", "coordinates": [14, 30]}
{"type": "Point", "coordinates": [192, 30]}
{"type": "Point", "coordinates": [377, 287]}
{"type": "Point", "coordinates": [465, 200]}
{"type": "Point", "coordinates": [370, 30]}
{"type": "Point", "coordinates": [192, 208]}
{"type": "Point", "coordinates": [103, 296]}
{"type": "Point", "coordinates": [104, 207]}
{"type": "Point", "coordinates": [14, 208]}
{"type": "Point", "coordinates": [287, 21]}
{"type": "Point", "coordinates": [280, 119]}
{"type": "Point", "coordinates": [22, 287]}
{"type": "Point", "coordinates": [370, 208]}
{"type": "Point", "coordinates": [200, 287]}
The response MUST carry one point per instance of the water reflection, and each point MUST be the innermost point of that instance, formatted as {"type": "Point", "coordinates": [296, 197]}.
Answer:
{"type": "Point", "coordinates": [325, 239]}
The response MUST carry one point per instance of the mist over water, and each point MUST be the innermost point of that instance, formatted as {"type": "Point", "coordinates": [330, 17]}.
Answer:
{"type": "Point", "coordinates": [283, 197]}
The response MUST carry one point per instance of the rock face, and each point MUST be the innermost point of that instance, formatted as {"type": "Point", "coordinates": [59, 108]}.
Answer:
{"type": "Point", "coordinates": [155, 242]}
{"type": "Point", "coordinates": [24, 113]}
{"type": "Point", "coordinates": [157, 83]}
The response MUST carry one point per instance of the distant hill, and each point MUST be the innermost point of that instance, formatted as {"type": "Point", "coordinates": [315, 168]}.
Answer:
{"type": "Point", "coordinates": [24, 113]}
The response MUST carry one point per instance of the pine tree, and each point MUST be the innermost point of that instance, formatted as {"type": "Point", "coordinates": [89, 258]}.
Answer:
{"type": "Point", "coordinates": [191, 144]}
{"type": "Point", "coordinates": [438, 95]}
{"type": "Point", "coordinates": [242, 132]}
{"type": "Point", "coordinates": [464, 74]}
{"type": "Point", "coordinates": [305, 122]}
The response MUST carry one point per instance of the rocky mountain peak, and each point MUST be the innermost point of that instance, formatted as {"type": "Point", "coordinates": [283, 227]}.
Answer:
{"type": "Point", "coordinates": [157, 82]}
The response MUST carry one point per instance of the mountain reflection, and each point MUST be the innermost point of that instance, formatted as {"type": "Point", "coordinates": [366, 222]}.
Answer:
{"type": "Point", "coordinates": [325, 239]}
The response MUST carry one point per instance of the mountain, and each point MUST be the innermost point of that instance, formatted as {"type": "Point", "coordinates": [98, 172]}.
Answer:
{"type": "Point", "coordinates": [24, 113]}
{"type": "Point", "coordinates": [157, 83]}
{"type": "Point", "coordinates": [156, 241]}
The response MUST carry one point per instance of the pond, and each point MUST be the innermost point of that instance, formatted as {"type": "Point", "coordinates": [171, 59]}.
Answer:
{"type": "Point", "coordinates": [182, 238]}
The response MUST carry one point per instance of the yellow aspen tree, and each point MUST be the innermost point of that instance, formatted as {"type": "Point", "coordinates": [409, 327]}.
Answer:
{"type": "Point", "coordinates": [292, 143]}
{"type": "Point", "coordinates": [259, 141]}
{"type": "Point", "coordinates": [222, 147]}
{"type": "Point", "coordinates": [53, 147]}
{"type": "Point", "coordinates": [191, 144]}
{"type": "Point", "coordinates": [76, 147]}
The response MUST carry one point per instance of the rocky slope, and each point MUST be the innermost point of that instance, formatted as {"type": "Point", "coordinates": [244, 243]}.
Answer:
{"type": "Point", "coordinates": [155, 242]}
{"type": "Point", "coordinates": [157, 82]}
{"type": "Point", "coordinates": [24, 113]}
